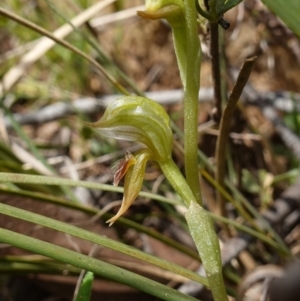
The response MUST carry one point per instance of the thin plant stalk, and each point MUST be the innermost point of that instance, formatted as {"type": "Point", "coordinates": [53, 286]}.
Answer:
{"type": "Point", "coordinates": [215, 61]}
{"type": "Point", "coordinates": [225, 127]}
{"type": "Point", "coordinates": [191, 87]}
{"type": "Point", "coordinates": [214, 51]}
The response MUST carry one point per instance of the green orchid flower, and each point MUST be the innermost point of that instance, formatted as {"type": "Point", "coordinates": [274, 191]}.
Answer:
{"type": "Point", "coordinates": [142, 120]}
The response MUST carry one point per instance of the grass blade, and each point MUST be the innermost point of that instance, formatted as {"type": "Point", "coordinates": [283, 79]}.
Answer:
{"type": "Point", "coordinates": [96, 266]}
{"type": "Point", "coordinates": [98, 239]}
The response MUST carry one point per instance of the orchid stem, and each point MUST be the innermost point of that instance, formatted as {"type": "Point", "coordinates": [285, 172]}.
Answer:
{"type": "Point", "coordinates": [178, 182]}
{"type": "Point", "coordinates": [191, 87]}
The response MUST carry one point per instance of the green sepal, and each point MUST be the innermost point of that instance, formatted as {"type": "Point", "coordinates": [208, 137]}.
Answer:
{"type": "Point", "coordinates": [139, 119]}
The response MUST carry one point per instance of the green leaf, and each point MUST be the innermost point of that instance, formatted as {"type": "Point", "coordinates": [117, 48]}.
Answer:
{"type": "Point", "coordinates": [98, 239]}
{"type": "Point", "coordinates": [287, 11]}
{"type": "Point", "coordinates": [85, 289]}
{"type": "Point", "coordinates": [96, 266]}
{"type": "Point", "coordinates": [206, 240]}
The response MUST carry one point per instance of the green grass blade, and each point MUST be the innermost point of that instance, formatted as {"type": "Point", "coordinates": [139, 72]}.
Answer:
{"type": "Point", "coordinates": [96, 266]}
{"type": "Point", "coordinates": [33, 264]}
{"type": "Point", "coordinates": [85, 289]}
{"type": "Point", "coordinates": [98, 239]}
{"type": "Point", "coordinates": [6, 177]}
{"type": "Point", "coordinates": [9, 178]}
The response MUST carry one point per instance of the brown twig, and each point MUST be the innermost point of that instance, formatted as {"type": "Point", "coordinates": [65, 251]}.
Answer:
{"type": "Point", "coordinates": [215, 60]}
{"type": "Point", "coordinates": [225, 127]}
{"type": "Point", "coordinates": [216, 74]}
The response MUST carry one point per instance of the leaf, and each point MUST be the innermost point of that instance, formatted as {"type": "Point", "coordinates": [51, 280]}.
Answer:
{"type": "Point", "coordinates": [96, 266]}
{"type": "Point", "coordinates": [97, 239]}
{"type": "Point", "coordinates": [85, 288]}
{"type": "Point", "coordinates": [203, 233]}
{"type": "Point", "coordinates": [287, 11]}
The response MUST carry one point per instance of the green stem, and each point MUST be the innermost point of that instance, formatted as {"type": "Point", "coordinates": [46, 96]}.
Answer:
{"type": "Point", "coordinates": [193, 56]}
{"type": "Point", "coordinates": [178, 182]}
